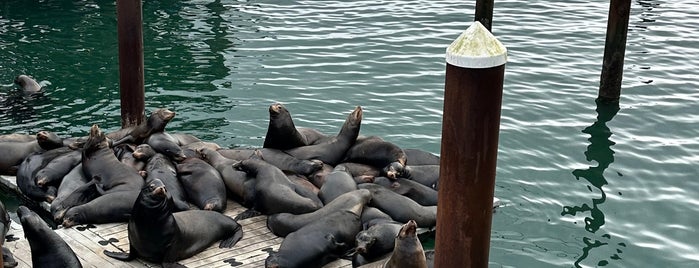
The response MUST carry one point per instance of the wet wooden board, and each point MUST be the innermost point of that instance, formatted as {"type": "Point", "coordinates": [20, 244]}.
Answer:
{"type": "Point", "coordinates": [89, 241]}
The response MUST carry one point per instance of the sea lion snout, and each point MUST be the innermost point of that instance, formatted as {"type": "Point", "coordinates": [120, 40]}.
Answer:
{"type": "Point", "coordinates": [408, 230]}
{"type": "Point", "coordinates": [276, 108]}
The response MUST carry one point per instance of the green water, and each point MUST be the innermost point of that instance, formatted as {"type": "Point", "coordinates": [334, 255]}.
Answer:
{"type": "Point", "coordinates": [582, 184]}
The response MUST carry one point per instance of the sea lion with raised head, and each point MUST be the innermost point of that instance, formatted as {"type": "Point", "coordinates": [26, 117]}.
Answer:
{"type": "Point", "coordinates": [155, 123]}
{"type": "Point", "coordinates": [48, 248]}
{"type": "Point", "coordinates": [158, 235]}
{"type": "Point", "coordinates": [281, 132]}
{"type": "Point", "coordinates": [28, 85]}
{"type": "Point", "coordinates": [333, 151]}
{"type": "Point", "coordinates": [407, 251]}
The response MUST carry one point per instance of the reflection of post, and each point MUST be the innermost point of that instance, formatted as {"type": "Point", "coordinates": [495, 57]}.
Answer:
{"type": "Point", "coordinates": [471, 123]}
{"type": "Point", "coordinates": [614, 49]}
{"type": "Point", "coordinates": [130, 31]}
{"type": "Point", "coordinates": [599, 151]}
{"type": "Point", "coordinates": [484, 13]}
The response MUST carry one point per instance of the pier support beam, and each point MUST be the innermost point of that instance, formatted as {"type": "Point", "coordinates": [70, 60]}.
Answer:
{"type": "Point", "coordinates": [614, 49]}
{"type": "Point", "coordinates": [131, 81]}
{"type": "Point", "coordinates": [470, 128]}
{"type": "Point", "coordinates": [484, 13]}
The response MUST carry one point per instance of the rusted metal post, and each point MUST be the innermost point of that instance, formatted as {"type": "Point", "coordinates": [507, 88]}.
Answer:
{"type": "Point", "coordinates": [484, 13]}
{"type": "Point", "coordinates": [614, 49]}
{"type": "Point", "coordinates": [470, 128]}
{"type": "Point", "coordinates": [130, 31]}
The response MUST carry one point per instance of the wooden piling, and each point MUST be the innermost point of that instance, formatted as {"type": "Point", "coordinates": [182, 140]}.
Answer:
{"type": "Point", "coordinates": [131, 81]}
{"type": "Point", "coordinates": [614, 49]}
{"type": "Point", "coordinates": [484, 13]}
{"type": "Point", "coordinates": [470, 128]}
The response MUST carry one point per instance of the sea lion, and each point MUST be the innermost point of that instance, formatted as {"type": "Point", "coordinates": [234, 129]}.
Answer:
{"type": "Point", "coordinates": [158, 235]}
{"type": "Point", "coordinates": [362, 173]}
{"type": "Point", "coordinates": [16, 149]}
{"type": "Point", "coordinates": [379, 153]}
{"type": "Point", "coordinates": [184, 139]}
{"type": "Point", "coordinates": [28, 85]}
{"type": "Point", "coordinates": [117, 183]}
{"type": "Point", "coordinates": [419, 193]}
{"type": "Point", "coordinates": [400, 208]}
{"type": "Point", "coordinates": [377, 240]}
{"type": "Point", "coordinates": [27, 172]}
{"type": "Point", "coordinates": [282, 224]}
{"type": "Point", "coordinates": [281, 132]}
{"type": "Point", "coordinates": [237, 182]}
{"type": "Point", "coordinates": [155, 123]}
{"type": "Point", "coordinates": [164, 143]}
{"type": "Point", "coordinates": [287, 162]}
{"type": "Point", "coordinates": [331, 152]}
{"type": "Point", "coordinates": [336, 183]}
{"type": "Point", "coordinates": [427, 175]}
{"type": "Point", "coordinates": [124, 152]}
{"type": "Point", "coordinates": [54, 171]}
{"type": "Point", "coordinates": [417, 157]}
{"type": "Point", "coordinates": [70, 183]}
{"type": "Point", "coordinates": [407, 251]}
{"type": "Point", "coordinates": [318, 177]}
{"type": "Point", "coordinates": [238, 154]}
{"type": "Point", "coordinates": [48, 248]}
{"type": "Point", "coordinates": [274, 193]}
{"type": "Point", "coordinates": [372, 216]}
{"type": "Point", "coordinates": [312, 135]}
{"type": "Point", "coordinates": [143, 152]}
{"type": "Point", "coordinates": [203, 184]}
{"type": "Point", "coordinates": [160, 167]}
{"type": "Point", "coordinates": [317, 243]}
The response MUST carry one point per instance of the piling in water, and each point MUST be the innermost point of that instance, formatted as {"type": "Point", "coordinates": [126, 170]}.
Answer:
{"type": "Point", "coordinates": [471, 124]}
{"type": "Point", "coordinates": [131, 88]}
{"type": "Point", "coordinates": [614, 49]}
{"type": "Point", "coordinates": [484, 13]}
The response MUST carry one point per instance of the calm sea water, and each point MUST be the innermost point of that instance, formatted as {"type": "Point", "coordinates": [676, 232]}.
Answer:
{"type": "Point", "coordinates": [582, 184]}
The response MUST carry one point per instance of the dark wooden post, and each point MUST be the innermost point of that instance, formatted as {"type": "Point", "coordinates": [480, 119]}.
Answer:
{"type": "Point", "coordinates": [130, 31]}
{"type": "Point", "coordinates": [484, 13]}
{"type": "Point", "coordinates": [614, 49]}
{"type": "Point", "coordinates": [470, 128]}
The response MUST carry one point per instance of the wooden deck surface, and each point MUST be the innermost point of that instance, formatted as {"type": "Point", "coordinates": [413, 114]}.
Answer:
{"type": "Point", "coordinates": [89, 241]}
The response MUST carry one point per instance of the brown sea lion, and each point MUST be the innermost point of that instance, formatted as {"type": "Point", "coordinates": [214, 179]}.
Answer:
{"type": "Point", "coordinates": [158, 235]}
{"type": "Point", "coordinates": [400, 208]}
{"type": "Point", "coordinates": [332, 151]}
{"type": "Point", "coordinates": [407, 251]}
{"type": "Point", "coordinates": [155, 123]}
{"type": "Point", "coordinates": [166, 144]}
{"type": "Point", "coordinates": [237, 182]}
{"type": "Point", "coordinates": [379, 153]}
{"type": "Point", "coordinates": [419, 193]}
{"type": "Point", "coordinates": [417, 157]}
{"type": "Point", "coordinates": [281, 132]}
{"type": "Point", "coordinates": [54, 171]}
{"type": "Point", "coordinates": [161, 167]}
{"type": "Point", "coordinates": [336, 184]}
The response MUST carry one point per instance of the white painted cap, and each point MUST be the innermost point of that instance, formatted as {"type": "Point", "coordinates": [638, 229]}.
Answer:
{"type": "Point", "coordinates": [476, 48]}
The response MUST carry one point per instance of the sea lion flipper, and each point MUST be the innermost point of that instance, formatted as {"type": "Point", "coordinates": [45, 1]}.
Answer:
{"type": "Point", "coordinates": [173, 265]}
{"type": "Point", "coordinates": [122, 256]}
{"type": "Point", "coordinates": [247, 214]}
{"type": "Point", "coordinates": [231, 241]}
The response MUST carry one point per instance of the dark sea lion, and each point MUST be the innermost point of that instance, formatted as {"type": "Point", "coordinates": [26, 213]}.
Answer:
{"type": "Point", "coordinates": [124, 152]}
{"type": "Point", "coordinates": [54, 171]}
{"type": "Point", "coordinates": [287, 162]}
{"type": "Point", "coordinates": [27, 172]}
{"type": "Point", "coordinates": [282, 224]}
{"type": "Point", "coordinates": [143, 152]}
{"type": "Point", "coordinates": [372, 216]}
{"type": "Point", "coordinates": [16, 149]}
{"type": "Point", "coordinates": [332, 151]}
{"type": "Point", "coordinates": [419, 193]}
{"type": "Point", "coordinates": [281, 132]}
{"type": "Point", "coordinates": [377, 240]}
{"type": "Point", "coordinates": [318, 177]}
{"type": "Point", "coordinates": [48, 248]}
{"type": "Point", "coordinates": [417, 157]}
{"type": "Point", "coordinates": [336, 183]}
{"type": "Point", "coordinates": [274, 193]}
{"type": "Point", "coordinates": [28, 85]}
{"type": "Point", "coordinates": [362, 173]}
{"type": "Point", "coordinates": [317, 243]}
{"type": "Point", "coordinates": [155, 123]}
{"type": "Point", "coordinates": [158, 235]}
{"type": "Point", "coordinates": [303, 182]}
{"type": "Point", "coordinates": [160, 167]}
{"type": "Point", "coordinates": [184, 139]}
{"type": "Point", "coordinates": [203, 184]}
{"type": "Point", "coordinates": [427, 175]}
{"type": "Point", "coordinates": [101, 164]}
{"type": "Point", "coordinates": [17, 137]}
{"type": "Point", "coordinates": [379, 153]}
{"type": "Point", "coordinates": [238, 154]}
{"type": "Point", "coordinates": [237, 182]}
{"type": "Point", "coordinates": [79, 196]}
{"type": "Point", "coordinates": [400, 208]}
{"type": "Point", "coordinates": [407, 252]}
{"type": "Point", "coordinates": [71, 181]}
{"type": "Point", "coordinates": [164, 143]}
{"type": "Point", "coordinates": [8, 260]}
{"type": "Point", "coordinates": [108, 208]}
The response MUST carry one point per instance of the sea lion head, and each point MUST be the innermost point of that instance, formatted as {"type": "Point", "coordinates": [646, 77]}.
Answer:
{"type": "Point", "coordinates": [154, 194]}
{"type": "Point", "coordinates": [29, 219]}
{"type": "Point", "coordinates": [48, 140]}
{"type": "Point", "coordinates": [364, 241]}
{"type": "Point", "coordinates": [96, 140]}
{"type": "Point", "coordinates": [276, 109]}
{"type": "Point", "coordinates": [159, 119]}
{"type": "Point", "coordinates": [408, 230]}
{"type": "Point", "coordinates": [72, 217]}
{"type": "Point", "coordinates": [143, 152]}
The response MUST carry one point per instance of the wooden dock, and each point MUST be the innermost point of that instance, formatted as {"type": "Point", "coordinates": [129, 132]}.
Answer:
{"type": "Point", "coordinates": [89, 241]}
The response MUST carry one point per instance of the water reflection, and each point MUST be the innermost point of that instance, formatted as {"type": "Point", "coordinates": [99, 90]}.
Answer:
{"type": "Point", "coordinates": [601, 152]}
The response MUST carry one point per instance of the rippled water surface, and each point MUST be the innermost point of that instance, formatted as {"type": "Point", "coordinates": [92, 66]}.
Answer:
{"type": "Point", "coordinates": [582, 184]}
